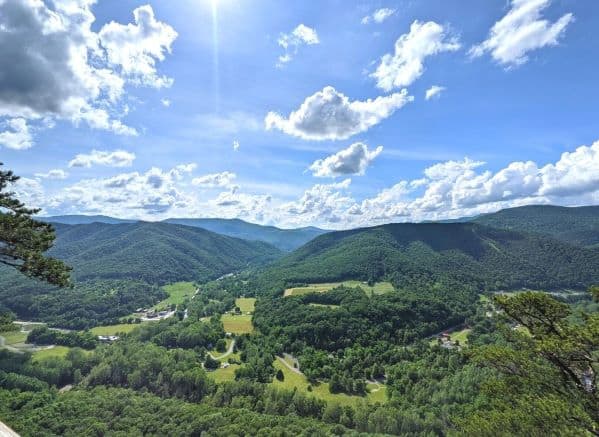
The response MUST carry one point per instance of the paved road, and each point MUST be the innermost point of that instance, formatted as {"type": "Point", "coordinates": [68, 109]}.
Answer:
{"type": "Point", "coordinates": [226, 354]}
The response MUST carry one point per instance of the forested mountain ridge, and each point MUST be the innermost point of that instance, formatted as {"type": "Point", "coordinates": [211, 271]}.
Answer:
{"type": "Point", "coordinates": [410, 254]}
{"type": "Point", "coordinates": [157, 253]}
{"type": "Point", "coordinates": [284, 239]}
{"type": "Point", "coordinates": [576, 225]}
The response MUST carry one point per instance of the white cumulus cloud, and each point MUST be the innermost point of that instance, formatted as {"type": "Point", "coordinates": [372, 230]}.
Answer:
{"type": "Point", "coordinates": [215, 180]}
{"type": "Point", "coordinates": [55, 66]}
{"type": "Point", "coordinates": [406, 64]}
{"type": "Point", "coordinates": [292, 41]}
{"type": "Point", "coordinates": [434, 92]}
{"type": "Point", "coordinates": [378, 16]}
{"type": "Point", "coordinates": [330, 115]}
{"type": "Point", "coordinates": [17, 136]}
{"type": "Point", "coordinates": [521, 31]}
{"type": "Point", "coordinates": [134, 49]}
{"type": "Point", "coordinates": [350, 161]}
{"type": "Point", "coordinates": [117, 158]}
{"type": "Point", "coordinates": [53, 174]}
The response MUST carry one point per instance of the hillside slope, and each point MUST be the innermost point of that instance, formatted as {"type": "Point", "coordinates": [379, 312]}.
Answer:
{"type": "Point", "coordinates": [284, 239]}
{"type": "Point", "coordinates": [157, 253]}
{"type": "Point", "coordinates": [578, 225]}
{"type": "Point", "coordinates": [430, 253]}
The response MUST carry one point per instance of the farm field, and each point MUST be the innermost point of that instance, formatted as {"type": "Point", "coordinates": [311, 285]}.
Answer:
{"type": "Point", "coordinates": [321, 391]}
{"type": "Point", "coordinates": [56, 351]}
{"type": "Point", "coordinates": [377, 288]}
{"type": "Point", "coordinates": [177, 293]}
{"type": "Point", "coordinates": [246, 304]}
{"type": "Point", "coordinates": [238, 324]}
{"type": "Point", "coordinates": [121, 328]}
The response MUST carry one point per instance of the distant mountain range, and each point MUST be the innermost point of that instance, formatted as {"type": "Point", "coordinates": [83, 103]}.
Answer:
{"type": "Point", "coordinates": [284, 239]}
{"type": "Point", "coordinates": [430, 253]}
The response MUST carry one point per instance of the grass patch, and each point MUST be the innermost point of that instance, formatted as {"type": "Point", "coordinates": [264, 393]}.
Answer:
{"type": "Point", "coordinates": [246, 304]}
{"type": "Point", "coordinates": [238, 324]}
{"type": "Point", "coordinates": [461, 336]}
{"type": "Point", "coordinates": [177, 293]}
{"type": "Point", "coordinates": [14, 337]}
{"type": "Point", "coordinates": [223, 375]}
{"type": "Point", "coordinates": [321, 390]}
{"type": "Point", "coordinates": [56, 351]}
{"type": "Point", "coordinates": [377, 288]}
{"type": "Point", "coordinates": [122, 328]}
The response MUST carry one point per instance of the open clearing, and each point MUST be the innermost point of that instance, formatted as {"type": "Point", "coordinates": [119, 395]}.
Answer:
{"type": "Point", "coordinates": [377, 288]}
{"type": "Point", "coordinates": [55, 351]}
{"type": "Point", "coordinates": [246, 304]}
{"type": "Point", "coordinates": [14, 337]}
{"type": "Point", "coordinates": [177, 293]}
{"type": "Point", "coordinates": [121, 328]}
{"type": "Point", "coordinates": [223, 375]}
{"type": "Point", "coordinates": [461, 336]}
{"type": "Point", "coordinates": [238, 324]}
{"type": "Point", "coordinates": [321, 391]}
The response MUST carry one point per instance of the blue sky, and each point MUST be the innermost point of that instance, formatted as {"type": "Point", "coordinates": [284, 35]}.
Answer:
{"type": "Point", "coordinates": [166, 94]}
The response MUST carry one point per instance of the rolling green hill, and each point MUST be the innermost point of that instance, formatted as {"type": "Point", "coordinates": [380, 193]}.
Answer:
{"type": "Point", "coordinates": [157, 253]}
{"type": "Point", "coordinates": [429, 253]}
{"type": "Point", "coordinates": [284, 239]}
{"type": "Point", "coordinates": [578, 225]}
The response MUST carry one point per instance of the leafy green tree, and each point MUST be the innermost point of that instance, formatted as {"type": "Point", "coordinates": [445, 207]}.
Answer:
{"type": "Point", "coordinates": [211, 363]}
{"type": "Point", "coordinates": [24, 240]}
{"type": "Point", "coordinates": [547, 369]}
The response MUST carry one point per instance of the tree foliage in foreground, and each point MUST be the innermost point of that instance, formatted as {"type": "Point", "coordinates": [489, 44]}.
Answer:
{"type": "Point", "coordinates": [547, 366]}
{"type": "Point", "coordinates": [24, 240]}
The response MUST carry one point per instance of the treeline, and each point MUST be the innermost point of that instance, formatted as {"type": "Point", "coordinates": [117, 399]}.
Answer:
{"type": "Point", "coordinates": [116, 411]}
{"type": "Point", "coordinates": [187, 334]}
{"type": "Point", "coordinates": [44, 336]}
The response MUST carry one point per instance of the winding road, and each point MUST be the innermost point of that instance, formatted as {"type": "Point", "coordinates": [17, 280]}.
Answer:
{"type": "Point", "coordinates": [226, 354]}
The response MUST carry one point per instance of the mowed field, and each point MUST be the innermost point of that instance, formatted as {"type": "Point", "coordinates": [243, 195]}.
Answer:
{"type": "Point", "coordinates": [377, 288]}
{"type": "Point", "coordinates": [238, 324]}
{"type": "Point", "coordinates": [321, 391]}
{"type": "Point", "coordinates": [177, 293]}
{"type": "Point", "coordinates": [121, 328]}
{"type": "Point", "coordinates": [246, 304]}
{"type": "Point", "coordinates": [55, 351]}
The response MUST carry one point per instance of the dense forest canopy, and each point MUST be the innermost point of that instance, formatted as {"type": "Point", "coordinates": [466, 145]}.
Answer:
{"type": "Point", "coordinates": [575, 225]}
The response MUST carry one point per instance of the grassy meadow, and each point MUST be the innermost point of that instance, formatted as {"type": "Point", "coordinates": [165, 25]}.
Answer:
{"type": "Point", "coordinates": [321, 391]}
{"type": "Point", "coordinates": [238, 324]}
{"type": "Point", "coordinates": [177, 293]}
{"type": "Point", "coordinates": [246, 304]}
{"type": "Point", "coordinates": [377, 288]}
